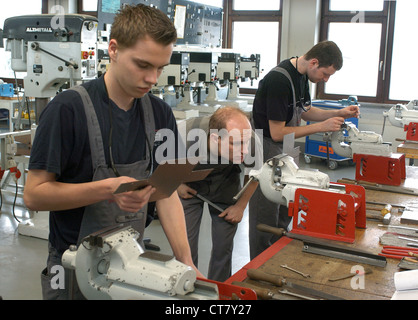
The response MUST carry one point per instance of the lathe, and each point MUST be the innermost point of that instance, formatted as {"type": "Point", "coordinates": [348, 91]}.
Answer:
{"type": "Point", "coordinates": [111, 264]}
{"type": "Point", "coordinates": [375, 162]}
{"type": "Point", "coordinates": [405, 116]}
{"type": "Point", "coordinates": [319, 208]}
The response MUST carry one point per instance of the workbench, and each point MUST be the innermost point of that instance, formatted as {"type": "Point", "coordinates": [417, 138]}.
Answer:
{"type": "Point", "coordinates": [378, 285]}
{"type": "Point", "coordinates": [410, 149]}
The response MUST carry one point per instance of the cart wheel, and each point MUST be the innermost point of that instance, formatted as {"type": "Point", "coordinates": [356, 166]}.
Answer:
{"type": "Point", "coordinates": [333, 165]}
{"type": "Point", "coordinates": [308, 159]}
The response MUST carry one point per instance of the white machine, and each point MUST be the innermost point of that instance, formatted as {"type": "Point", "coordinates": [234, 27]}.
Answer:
{"type": "Point", "coordinates": [112, 265]}
{"type": "Point", "coordinates": [401, 115]}
{"type": "Point", "coordinates": [350, 140]}
{"type": "Point", "coordinates": [374, 159]}
{"type": "Point", "coordinates": [280, 177]}
{"type": "Point", "coordinates": [54, 51]}
{"type": "Point", "coordinates": [201, 75]}
{"type": "Point", "coordinates": [318, 208]}
{"type": "Point", "coordinates": [208, 68]}
{"type": "Point", "coordinates": [405, 116]}
{"type": "Point", "coordinates": [52, 56]}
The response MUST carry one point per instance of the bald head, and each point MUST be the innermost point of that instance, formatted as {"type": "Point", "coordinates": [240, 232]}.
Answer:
{"type": "Point", "coordinates": [230, 133]}
{"type": "Point", "coordinates": [229, 118]}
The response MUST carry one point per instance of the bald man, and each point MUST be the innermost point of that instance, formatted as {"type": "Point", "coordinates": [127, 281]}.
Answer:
{"type": "Point", "coordinates": [227, 138]}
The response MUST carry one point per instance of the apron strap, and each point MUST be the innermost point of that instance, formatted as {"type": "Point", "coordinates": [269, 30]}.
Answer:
{"type": "Point", "coordinates": [287, 75]}
{"type": "Point", "coordinates": [95, 135]}
{"type": "Point", "coordinates": [149, 121]}
{"type": "Point", "coordinates": [149, 128]}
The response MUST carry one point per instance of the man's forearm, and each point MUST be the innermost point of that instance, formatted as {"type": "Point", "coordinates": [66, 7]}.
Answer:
{"type": "Point", "coordinates": [247, 194]}
{"type": "Point", "coordinates": [42, 194]}
{"type": "Point", "coordinates": [318, 114]}
{"type": "Point", "coordinates": [279, 130]}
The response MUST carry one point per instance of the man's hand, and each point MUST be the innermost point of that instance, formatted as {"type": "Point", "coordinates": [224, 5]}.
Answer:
{"type": "Point", "coordinates": [332, 124]}
{"type": "Point", "coordinates": [352, 111]}
{"type": "Point", "coordinates": [232, 214]}
{"type": "Point", "coordinates": [131, 201]}
{"type": "Point", "coordinates": [185, 192]}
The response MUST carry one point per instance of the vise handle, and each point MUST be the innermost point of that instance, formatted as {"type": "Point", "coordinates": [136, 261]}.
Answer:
{"type": "Point", "coordinates": [277, 231]}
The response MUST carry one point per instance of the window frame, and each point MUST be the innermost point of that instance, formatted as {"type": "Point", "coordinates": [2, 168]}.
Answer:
{"type": "Point", "coordinates": [387, 18]}
{"type": "Point", "coordinates": [232, 16]}
{"type": "Point", "coordinates": [81, 11]}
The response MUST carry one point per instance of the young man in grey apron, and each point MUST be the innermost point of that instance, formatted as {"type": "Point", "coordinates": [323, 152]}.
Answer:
{"type": "Point", "coordinates": [220, 186]}
{"type": "Point", "coordinates": [94, 137]}
{"type": "Point", "coordinates": [281, 101]}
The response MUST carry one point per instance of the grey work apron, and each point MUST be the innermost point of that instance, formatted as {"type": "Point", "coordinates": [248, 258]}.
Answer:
{"type": "Point", "coordinates": [104, 214]}
{"type": "Point", "coordinates": [272, 148]}
{"type": "Point", "coordinates": [261, 210]}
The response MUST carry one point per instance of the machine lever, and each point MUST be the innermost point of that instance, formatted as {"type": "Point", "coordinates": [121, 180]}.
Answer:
{"type": "Point", "coordinates": [35, 46]}
{"type": "Point", "coordinates": [277, 231]}
{"type": "Point", "coordinates": [239, 194]}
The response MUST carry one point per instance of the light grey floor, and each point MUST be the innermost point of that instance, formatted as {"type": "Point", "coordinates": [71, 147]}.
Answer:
{"type": "Point", "coordinates": [22, 258]}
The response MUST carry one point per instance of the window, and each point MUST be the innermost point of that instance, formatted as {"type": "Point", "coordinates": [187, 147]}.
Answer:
{"type": "Point", "coordinates": [361, 66]}
{"type": "Point", "coordinates": [403, 74]}
{"type": "Point", "coordinates": [254, 33]}
{"type": "Point", "coordinates": [89, 5]}
{"type": "Point", "coordinates": [261, 5]}
{"type": "Point", "coordinates": [252, 28]}
{"type": "Point", "coordinates": [356, 5]}
{"type": "Point", "coordinates": [376, 40]}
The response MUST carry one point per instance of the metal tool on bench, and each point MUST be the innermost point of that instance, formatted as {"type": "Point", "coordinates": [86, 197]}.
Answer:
{"type": "Point", "coordinates": [315, 246]}
{"type": "Point", "coordinates": [384, 214]}
{"type": "Point", "coordinates": [398, 227]}
{"type": "Point", "coordinates": [305, 275]}
{"type": "Point", "coordinates": [266, 294]}
{"type": "Point", "coordinates": [259, 275]}
{"type": "Point", "coordinates": [350, 275]}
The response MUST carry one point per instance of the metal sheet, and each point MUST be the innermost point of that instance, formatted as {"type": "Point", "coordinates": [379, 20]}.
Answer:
{"type": "Point", "coordinates": [344, 253]}
{"type": "Point", "coordinates": [166, 178]}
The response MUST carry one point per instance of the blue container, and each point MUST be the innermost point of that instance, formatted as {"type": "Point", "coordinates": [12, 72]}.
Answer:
{"type": "Point", "coordinates": [6, 90]}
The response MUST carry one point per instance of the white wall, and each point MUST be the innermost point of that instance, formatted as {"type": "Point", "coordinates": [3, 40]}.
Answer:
{"type": "Point", "coordinates": [300, 26]}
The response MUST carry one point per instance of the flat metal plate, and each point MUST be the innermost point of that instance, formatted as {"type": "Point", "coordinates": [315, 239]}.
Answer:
{"type": "Point", "coordinates": [346, 253]}
{"type": "Point", "coordinates": [166, 178]}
